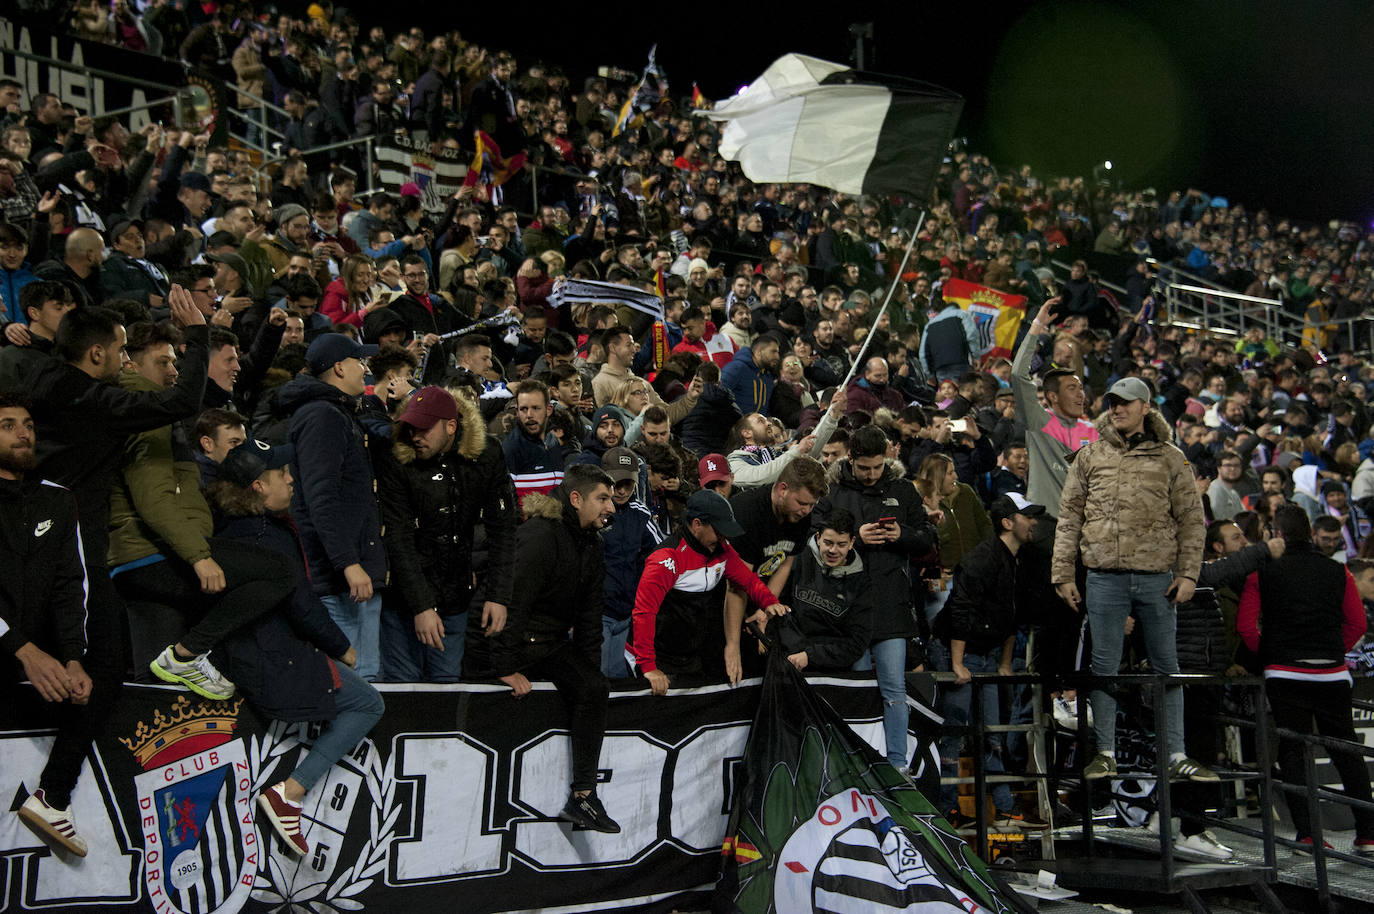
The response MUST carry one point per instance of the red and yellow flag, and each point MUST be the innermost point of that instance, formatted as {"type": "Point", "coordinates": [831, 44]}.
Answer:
{"type": "Point", "coordinates": [489, 166]}
{"type": "Point", "coordinates": [998, 314]}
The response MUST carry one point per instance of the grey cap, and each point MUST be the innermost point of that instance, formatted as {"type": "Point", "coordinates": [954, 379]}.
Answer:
{"type": "Point", "coordinates": [290, 211]}
{"type": "Point", "coordinates": [1129, 389]}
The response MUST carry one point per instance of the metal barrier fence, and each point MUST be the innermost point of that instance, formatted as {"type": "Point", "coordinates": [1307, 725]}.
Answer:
{"type": "Point", "coordinates": [1154, 685]}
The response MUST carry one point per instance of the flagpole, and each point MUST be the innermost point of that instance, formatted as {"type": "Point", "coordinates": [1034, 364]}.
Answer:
{"type": "Point", "coordinates": [858, 359]}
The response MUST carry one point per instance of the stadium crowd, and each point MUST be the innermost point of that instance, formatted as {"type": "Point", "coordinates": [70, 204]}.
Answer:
{"type": "Point", "coordinates": [312, 432]}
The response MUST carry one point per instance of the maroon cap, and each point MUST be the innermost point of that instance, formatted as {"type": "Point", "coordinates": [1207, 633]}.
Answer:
{"type": "Point", "coordinates": [713, 468]}
{"type": "Point", "coordinates": [427, 406]}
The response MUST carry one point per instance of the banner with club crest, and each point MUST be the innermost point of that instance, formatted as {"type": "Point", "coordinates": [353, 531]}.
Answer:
{"type": "Point", "coordinates": [450, 804]}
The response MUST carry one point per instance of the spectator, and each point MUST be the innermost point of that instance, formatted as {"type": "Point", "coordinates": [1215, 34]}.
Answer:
{"type": "Point", "coordinates": [831, 622]}
{"type": "Point", "coordinates": [534, 456]}
{"type": "Point", "coordinates": [670, 637]}
{"type": "Point", "coordinates": [893, 530]}
{"type": "Point", "coordinates": [559, 588]}
{"type": "Point", "coordinates": [295, 664]}
{"type": "Point", "coordinates": [44, 625]}
{"type": "Point", "coordinates": [1138, 574]}
{"type": "Point", "coordinates": [751, 373]}
{"type": "Point", "coordinates": [447, 476]}
{"type": "Point", "coordinates": [1302, 646]}
{"type": "Point", "coordinates": [335, 505]}
{"type": "Point", "coordinates": [627, 543]}
{"type": "Point", "coordinates": [950, 346]}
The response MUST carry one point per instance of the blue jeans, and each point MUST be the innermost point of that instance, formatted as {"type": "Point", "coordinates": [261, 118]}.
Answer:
{"type": "Point", "coordinates": [955, 703]}
{"type": "Point", "coordinates": [1110, 599]}
{"type": "Point", "coordinates": [358, 707]}
{"type": "Point", "coordinates": [889, 657]}
{"type": "Point", "coordinates": [361, 624]}
{"type": "Point", "coordinates": [614, 634]}
{"type": "Point", "coordinates": [405, 659]}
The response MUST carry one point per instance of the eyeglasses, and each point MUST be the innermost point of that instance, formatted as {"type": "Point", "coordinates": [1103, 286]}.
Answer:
{"type": "Point", "coordinates": [208, 290]}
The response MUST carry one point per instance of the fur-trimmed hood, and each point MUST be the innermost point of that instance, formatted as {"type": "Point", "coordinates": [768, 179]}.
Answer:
{"type": "Point", "coordinates": [537, 504]}
{"type": "Point", "coordinates": [841, 474]}
{"type": "Point", "coordinates": [472, 434]}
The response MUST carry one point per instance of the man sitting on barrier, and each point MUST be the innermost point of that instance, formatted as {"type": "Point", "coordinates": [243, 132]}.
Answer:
{"type": "Point", "coordinates": [559, 588]}
{"type": "Point", "coordinates": [44, 623]}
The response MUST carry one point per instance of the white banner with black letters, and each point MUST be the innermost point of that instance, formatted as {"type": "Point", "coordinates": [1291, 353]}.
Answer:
{"type": "Point", "coordinates": [450, 804]}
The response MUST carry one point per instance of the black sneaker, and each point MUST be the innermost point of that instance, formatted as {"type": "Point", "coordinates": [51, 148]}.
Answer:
{"type": "Point", "coordinates": [587, 812]}
{"type": "Point", "coordinates": [960, 821]}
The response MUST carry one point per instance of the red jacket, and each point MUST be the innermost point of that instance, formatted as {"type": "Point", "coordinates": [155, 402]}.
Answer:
{"type": "Point", "coordinates": [680, 598]}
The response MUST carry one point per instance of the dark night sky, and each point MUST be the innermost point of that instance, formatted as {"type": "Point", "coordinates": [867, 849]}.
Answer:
{"type": "Point", "coordinates": [1265, 102]}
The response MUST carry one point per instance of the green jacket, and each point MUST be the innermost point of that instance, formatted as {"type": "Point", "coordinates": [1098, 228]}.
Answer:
{"type": "Point", "coordinates": [156, 506]}
{"type": "Point", "coordinates": [966, 525]}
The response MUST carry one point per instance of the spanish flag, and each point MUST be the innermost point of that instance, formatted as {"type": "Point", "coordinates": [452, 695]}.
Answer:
{"type": "Point", "coordinates": [742, 850]}
{"type": "Point", "coordinates": [998, 314]}
{"type": "Point", "coordinates": [489, 166]}
{"type": "Point", "coordinates": [623, 120]}
{"type": "Point", "coordinates": [699, 101]}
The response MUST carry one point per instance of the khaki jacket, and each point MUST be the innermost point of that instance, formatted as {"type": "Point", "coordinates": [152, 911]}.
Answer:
{"type": "Point", "coordinates": [1135, 509]}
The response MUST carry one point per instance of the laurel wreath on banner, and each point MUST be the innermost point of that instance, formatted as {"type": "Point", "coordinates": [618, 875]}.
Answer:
{"type": "Point", "coordinates": [318, 897]}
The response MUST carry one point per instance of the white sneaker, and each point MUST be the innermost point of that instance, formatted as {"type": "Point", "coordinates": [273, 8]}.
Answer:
{"type": "Point", "coordinates": [198, 674]}
{"type": "Point", "coordinates": [1066, 713]}
{"type": "Point", "coordinates": [57, 827]}
{"type": "Point", "coordinates": [1202, 846]}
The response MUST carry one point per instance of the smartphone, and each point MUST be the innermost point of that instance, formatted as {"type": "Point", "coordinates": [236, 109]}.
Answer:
{"type": "Point", "coordinates": [887, 521]}
{"type": "Point", "coordinates": [959, 426]}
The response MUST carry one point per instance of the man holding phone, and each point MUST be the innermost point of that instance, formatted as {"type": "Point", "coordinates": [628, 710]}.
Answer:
{"type": "Point", "coordinates": [893, 529]}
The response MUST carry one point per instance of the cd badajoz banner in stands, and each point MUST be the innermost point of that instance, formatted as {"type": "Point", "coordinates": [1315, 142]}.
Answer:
{"type": "Point", "coordinates": [451, 803]}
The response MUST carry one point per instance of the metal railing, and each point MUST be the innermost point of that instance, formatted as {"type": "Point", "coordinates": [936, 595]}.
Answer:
{"type": "Point", "coordinates": [1267, 786]}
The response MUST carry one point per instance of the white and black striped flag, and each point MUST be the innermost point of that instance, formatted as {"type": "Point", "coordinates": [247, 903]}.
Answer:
{"type": "Point", "coordinates": [813, 121]}
{"type": "Point", "coordinates": [606, 293]}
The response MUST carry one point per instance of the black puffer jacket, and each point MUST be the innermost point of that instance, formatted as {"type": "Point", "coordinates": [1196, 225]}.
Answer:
{"type": "Point", "coordinates": [559, 587]}
{"type": "Point", "coordinates": [430, 509]}
{"type": "Point", "coordinates": [1202, 626]}
{"type": "Point", "coordinates": [888, 565]}
{"type": "Point", "coordinates": [707, 425]}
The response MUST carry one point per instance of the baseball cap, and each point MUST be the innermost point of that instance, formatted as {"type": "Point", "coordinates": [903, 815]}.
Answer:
{"type": "Point", "coordinates": [713, 509]}
{"type": "Point", "coordinates": [621, 463]}
{"type": "Point", "coordinates": [235, 262]}
{"type": "Point", "coordinates": [251, 459]}
{"type": "Point", "coordinates": [1005, 506]}
{"type": "Point", "coordinates": [429, 405]}
{"type": "Point", "coordinates": [713, 468]}
{"type": "Point", "coordinates": [331, 348]}
{"type": "Point", "coordinates": [122, 226]}
{"type": "Point", "coordinates": [1129, 389]}
{"type": "Point", "coordinates": [194, 180]}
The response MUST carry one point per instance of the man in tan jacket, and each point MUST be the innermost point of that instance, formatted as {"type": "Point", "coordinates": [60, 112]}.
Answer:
{"type": "Point", "coordinates": [1130, 508]}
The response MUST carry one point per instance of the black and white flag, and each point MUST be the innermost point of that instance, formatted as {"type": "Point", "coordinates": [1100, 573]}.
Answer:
{"type": "Point", "coordinates": [810, 120]}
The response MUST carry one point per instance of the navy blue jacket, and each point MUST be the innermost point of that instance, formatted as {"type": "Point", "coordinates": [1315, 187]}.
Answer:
{"type": "Point", "coordinates": [335, 502]}
{"type": "Point", "coordinates": [751, 386]}
{"type": "Point", "coordinates": [281, 660]}
{"type": "Point", "coordinates": [628, 541]}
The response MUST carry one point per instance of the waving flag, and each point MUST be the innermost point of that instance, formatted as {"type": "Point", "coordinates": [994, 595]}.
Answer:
{"type": "Point", "coordinates": [606, 293]}
{"type": "Point", "coordinates": [489, 166]}
{"type": "Point", "coordinates": [998, 314]}
{"type": "Point", "coordinates": [699, 101]}
{"type": "Point", "coordinates": [818, 122]}
{"type": "Point", "coordinates": [821, 822]}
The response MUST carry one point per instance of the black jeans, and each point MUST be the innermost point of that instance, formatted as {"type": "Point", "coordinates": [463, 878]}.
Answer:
{"type": "Point", "coordinates": [1202, 740]}
{"type": "Point", "coordinates": [78, 725]}
{"type": "Point", "coordinates": [1299, 705]}
{"type": "Point", "coordinates": [583, 687]}
{"type": "Point", "coordinates": [255, 580]}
